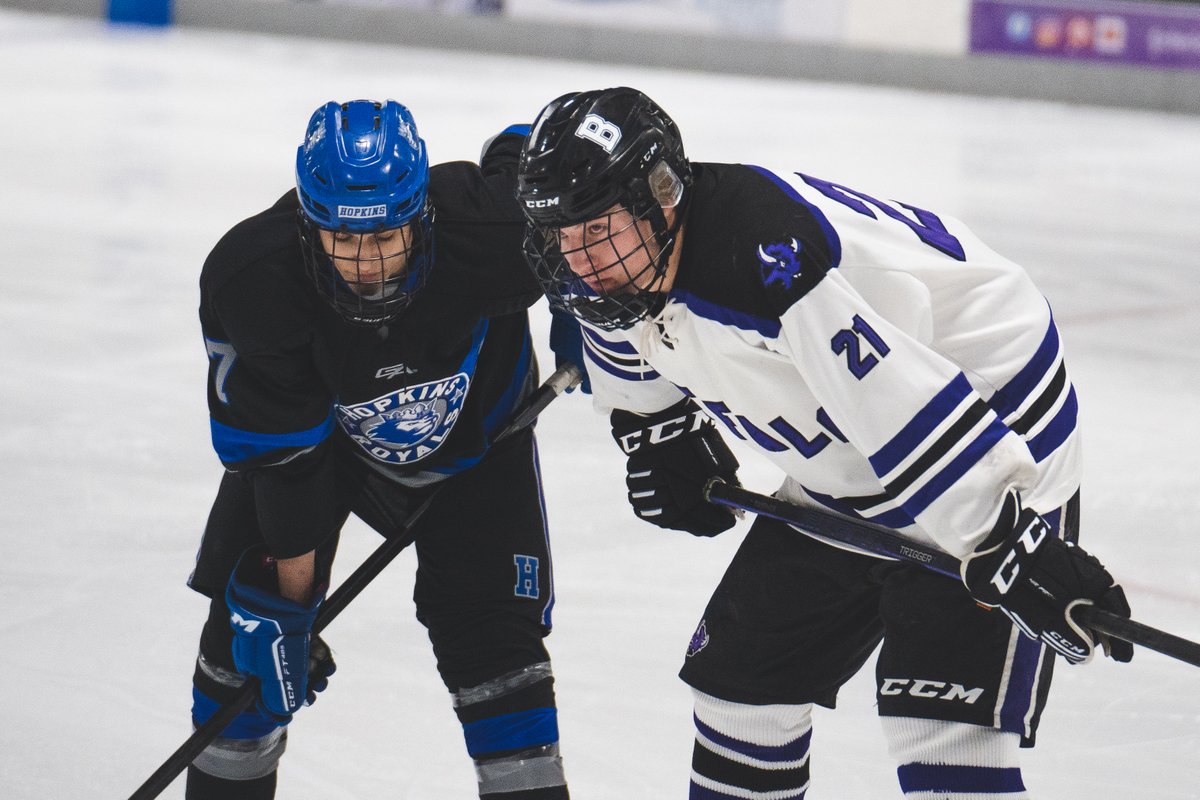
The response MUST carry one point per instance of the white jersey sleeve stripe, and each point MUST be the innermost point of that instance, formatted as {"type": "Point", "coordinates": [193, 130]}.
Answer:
{"type": "Point", "coordinates": [625, 369]}
{"type": "Point", "coordinates": [1039, 403]}
{"type": "Point", "coordinates": [953, 438]}
{"type": "Point", "coordinates": [1049, 398]}
{"type": "Point", "coordinates": [872, 509]}
{"type": "Point", "coordinates": [967, 458]}
{"type": "Point", "coordinates": [1010, 397]}
{"type": "Point", "coordinates": [630, 362]}
{"type": "Point", "coordinates": [1058, 431]}
{"type": "Point", "coordinates": [921, 427]}
{"type": "Point", "coordinates": [615, 347]}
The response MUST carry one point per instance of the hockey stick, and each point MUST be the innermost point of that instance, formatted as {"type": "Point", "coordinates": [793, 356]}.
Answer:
{"type": "Point", "coordinates": [883, 541]}
{"type": "Point", "coordinates": [562, 379]}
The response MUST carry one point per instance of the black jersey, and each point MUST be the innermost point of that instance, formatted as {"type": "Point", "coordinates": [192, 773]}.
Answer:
{"type": "Point", "coordinates": [418, 399]}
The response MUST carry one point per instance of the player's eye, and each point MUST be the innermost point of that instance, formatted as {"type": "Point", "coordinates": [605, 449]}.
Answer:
{"type": "Point", "coordinates": [597, 228]}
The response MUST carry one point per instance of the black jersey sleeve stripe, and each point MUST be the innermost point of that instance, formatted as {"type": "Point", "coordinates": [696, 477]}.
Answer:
{"type": "Point", "coordinates": [617, 347]}
{"type": "Point", "coordinates": [1009, 398]}
{"type": "Point", "coordinates": [596, 359]}
{"type": "Point", "coordinates": [600, 354]}
{"type": "Point", "coordinates": [940, 448]}
{"type": "Point", "coordinates": [940, 407]}
{"type": "Point", "coordinates": [1046, 401]}
{"type": "Point", "coordinates": [1058, 430]}
{"type": "Point", "coordinates": [968, 456]}
{"type": "Point", "coordinates": [863, 507]}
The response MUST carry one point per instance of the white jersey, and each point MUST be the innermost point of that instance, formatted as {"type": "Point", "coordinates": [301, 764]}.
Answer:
{"type": "Point", "coordinates": [891, 364]}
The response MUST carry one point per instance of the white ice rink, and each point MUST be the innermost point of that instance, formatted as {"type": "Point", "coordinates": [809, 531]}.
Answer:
{"type": "Point", "coordinates": [125, 154]}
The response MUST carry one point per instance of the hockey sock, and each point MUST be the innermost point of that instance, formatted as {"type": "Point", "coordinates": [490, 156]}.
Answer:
{"type": "Point", "coordinates": [202, 786]}
{"type": "Point", "coordinates": [511, 727]}
{"type": "Point", "coordinates": [247, 750]}
{"type": "Point", "coordinates": [953, 760]}
{"type": "Point", "coordinates": [745, 752]}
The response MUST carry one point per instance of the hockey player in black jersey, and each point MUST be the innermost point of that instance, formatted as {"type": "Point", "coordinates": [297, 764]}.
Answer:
{"type": "Point", "coordinates": [896, 369]}
{"type": "Point", "coordinates": [363, 355]}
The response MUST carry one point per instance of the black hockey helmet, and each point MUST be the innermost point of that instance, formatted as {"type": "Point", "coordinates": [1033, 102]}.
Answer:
{"type": "Point", "coordinates": [588, 154]}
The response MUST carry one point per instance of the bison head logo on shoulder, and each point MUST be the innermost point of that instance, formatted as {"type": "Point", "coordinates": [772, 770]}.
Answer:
{"type": "Point", "coordinates": [780, 262]}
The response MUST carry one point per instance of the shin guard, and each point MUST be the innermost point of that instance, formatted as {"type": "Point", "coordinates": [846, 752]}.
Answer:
{"type": "Point", "coordinates": [511, 727]}
{"type": "Point", "coordinates": [954, 760]}
{"type": "Point", "coordinates": [745, 752]}
{"type": "Point", "coordinates": [248, 749]}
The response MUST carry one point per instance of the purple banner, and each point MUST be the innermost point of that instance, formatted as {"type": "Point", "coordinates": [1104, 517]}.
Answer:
{"type": "Point", "coordinates": [1151, 34]}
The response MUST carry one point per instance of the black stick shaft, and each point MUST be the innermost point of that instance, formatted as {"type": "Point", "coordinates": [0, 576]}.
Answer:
{"type": "Point", "coordinates": [562, 379]}
{"type": "Point", "coordinates": [886, 542]}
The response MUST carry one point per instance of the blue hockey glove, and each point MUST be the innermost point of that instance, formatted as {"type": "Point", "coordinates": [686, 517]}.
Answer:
{"type": "Point", "coordinates": [505, 143]}
{"type": "Point", "coordinates": [273, 638]}
{"type": "Point", "coordinates": [566, 340]}
{"type": "Point", "coordinates": [672, 456]}
{"type": "Point", "coordinates": [1037, 579]}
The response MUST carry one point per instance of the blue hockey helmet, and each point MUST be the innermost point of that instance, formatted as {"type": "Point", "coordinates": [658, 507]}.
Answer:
{"type": "Point", "coordinates": [362, 166]}
{"type": "Point", "coordinates": [362, 176]}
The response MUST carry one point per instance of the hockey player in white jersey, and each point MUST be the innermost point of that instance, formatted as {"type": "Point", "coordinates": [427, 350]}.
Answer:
{"type": "Point", "coordinates": [897, 370]}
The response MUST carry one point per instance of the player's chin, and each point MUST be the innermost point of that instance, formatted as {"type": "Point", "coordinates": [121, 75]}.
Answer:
{"type": "Point", "coordinates": [611, 288]}
{"type": "Point", "coordinates": [377, 290]}
{"type": "Point", "coordinates": [366, 288]}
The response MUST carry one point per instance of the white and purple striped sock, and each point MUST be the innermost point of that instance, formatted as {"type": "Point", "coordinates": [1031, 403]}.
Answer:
{"type": "Point", "coordinates": [954, 761]}
{"type": "Point", "coordinates": [746, 752]}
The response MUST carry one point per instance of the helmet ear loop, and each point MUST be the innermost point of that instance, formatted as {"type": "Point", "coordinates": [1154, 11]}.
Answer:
{"type": "Point", "coordinates": [668, 190]}
{"type": "Point", "coordinates": [665, 238]}
{"type": "Point", "coordinates": [418, 242]}
{"type": "Point", "coordinates": [318, 260]}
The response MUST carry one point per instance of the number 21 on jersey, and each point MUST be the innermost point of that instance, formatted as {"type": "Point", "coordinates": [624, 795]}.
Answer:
{"type": "Point", "coordinates": [862, 345]}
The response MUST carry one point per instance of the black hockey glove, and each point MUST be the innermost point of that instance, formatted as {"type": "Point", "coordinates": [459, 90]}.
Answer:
{"type": "Point", "coordinates": [672, 456]}
{"type": "Point", "coordinates": [1037, 579]}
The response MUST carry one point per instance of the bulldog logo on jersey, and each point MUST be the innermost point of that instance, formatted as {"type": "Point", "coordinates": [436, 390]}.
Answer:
{"type": "Point", "coordinates": [780, 263]}
{"type": "Point", "coordinates": [408, 424]}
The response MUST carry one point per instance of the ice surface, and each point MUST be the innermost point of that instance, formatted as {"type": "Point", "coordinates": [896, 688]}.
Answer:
{"type": "Point", "coordinates": [126, 153]}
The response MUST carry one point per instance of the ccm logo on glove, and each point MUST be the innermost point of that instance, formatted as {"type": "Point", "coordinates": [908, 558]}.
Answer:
{"type": "Point", "coordinates": [670, 457]}
{"type": "Point", "coordinates": [1037, 580]}
{"type": "Point", "coordinates": [659, 432]}
{"type": "Point", "coordinates": [1030, 540]}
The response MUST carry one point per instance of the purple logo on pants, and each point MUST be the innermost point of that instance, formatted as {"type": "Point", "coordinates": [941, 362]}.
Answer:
{"type": "Point", "coordinates": [699, 639]}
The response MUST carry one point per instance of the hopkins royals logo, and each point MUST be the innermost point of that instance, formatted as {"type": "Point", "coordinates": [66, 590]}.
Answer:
{"type": "Point", "coordinates": [408, 424]}
{"type": "Point", "coordinates": [780, 263]}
